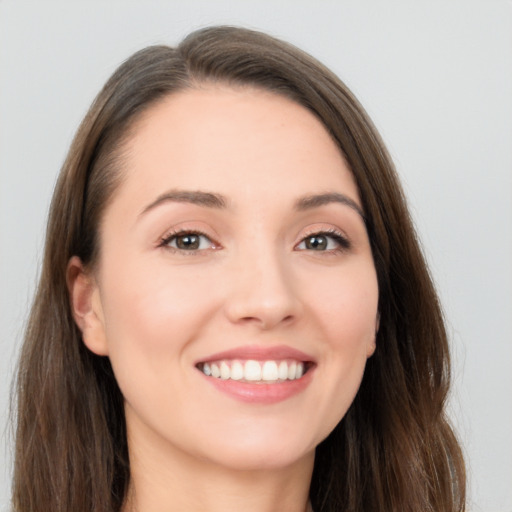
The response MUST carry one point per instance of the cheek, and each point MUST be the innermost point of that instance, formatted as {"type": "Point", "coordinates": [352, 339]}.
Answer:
{"type": "Point", "coordinates": [150, 321]}
{"type": "Point", "coordinates": [153, 305]}
{"type": "Point", "coordinates": [347, 307]}
{"type": "Point", "coordinates": [346, 312]}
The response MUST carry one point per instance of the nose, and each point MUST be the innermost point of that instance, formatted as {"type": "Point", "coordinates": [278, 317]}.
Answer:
{"type": "Point", "coordinates": [263, 291]}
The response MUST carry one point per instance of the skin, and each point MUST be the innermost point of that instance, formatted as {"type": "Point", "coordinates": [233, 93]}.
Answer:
{"type": "Point", "coordinates": [155, 310]}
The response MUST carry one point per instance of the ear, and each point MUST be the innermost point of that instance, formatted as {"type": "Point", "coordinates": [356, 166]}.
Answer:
{"type": "Point", "coordinates": [86, 306]}
{"type": "Point", "coordinates": [372, 345]}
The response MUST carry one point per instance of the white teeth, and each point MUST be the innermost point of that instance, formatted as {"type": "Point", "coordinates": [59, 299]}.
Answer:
{"type": "Point", "coordinates": [291, 370]}
{"type": "Point", "coordinates": [215, 371]}
{"type": "Point", "coordinates": [252, 370]}
{"type": "Point", "coordinates": [283, 370]}
{"type": "Point", "coordinates": [255, 371]}
{"type": "Point", "coordinates": [225, 372]}
{"type": "Point", "coordinates": [237, 371]}
{"type": "Point", "coordinates": [269, 371]}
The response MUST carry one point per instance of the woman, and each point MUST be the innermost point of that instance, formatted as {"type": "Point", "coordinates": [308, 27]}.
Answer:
{"type": "Point", "coordinates": [233, 312]}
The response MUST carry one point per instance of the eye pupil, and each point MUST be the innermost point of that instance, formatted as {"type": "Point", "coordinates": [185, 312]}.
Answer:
{"type": "Point", "coordinates": [187, 242]}
{"type": "Point", "coordinates": [316, 242]}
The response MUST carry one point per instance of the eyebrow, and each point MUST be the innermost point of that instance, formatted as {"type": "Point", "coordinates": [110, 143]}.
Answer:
{"type": "Point", "coordinates": [208, 199]}
{"type": "Point", "coordinates": [317, 200]}
{"type": "Point", "coordinates": [218, 201]}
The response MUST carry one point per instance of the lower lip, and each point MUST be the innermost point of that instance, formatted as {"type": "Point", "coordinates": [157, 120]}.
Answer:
{"type": "Point", "coordinates": [261, 393]}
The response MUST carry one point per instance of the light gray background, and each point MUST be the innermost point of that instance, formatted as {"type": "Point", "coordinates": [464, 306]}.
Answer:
{"type": "Point", "coordinates": [436, 76]}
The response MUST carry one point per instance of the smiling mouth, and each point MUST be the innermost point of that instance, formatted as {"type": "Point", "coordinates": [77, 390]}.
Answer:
{"type": "Point", "coordinates": [253, 371]}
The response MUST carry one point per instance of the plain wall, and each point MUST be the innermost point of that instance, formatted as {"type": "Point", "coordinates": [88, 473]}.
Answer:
{"type": "Point", "coordinates": [436, 77]}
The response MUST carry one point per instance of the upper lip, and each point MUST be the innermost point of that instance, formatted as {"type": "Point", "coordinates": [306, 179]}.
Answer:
{"type": "Point", "coordinates": [259, 353]}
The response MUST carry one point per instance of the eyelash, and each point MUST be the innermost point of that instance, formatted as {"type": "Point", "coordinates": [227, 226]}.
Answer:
{"type": "Point", "coordinates": [340, 239]}
{"type": "Point", "coordinates": [167, 239]}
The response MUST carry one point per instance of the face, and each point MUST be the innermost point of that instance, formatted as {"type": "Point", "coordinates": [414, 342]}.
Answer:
{"type": "Point", "coordinates": [235, 292]}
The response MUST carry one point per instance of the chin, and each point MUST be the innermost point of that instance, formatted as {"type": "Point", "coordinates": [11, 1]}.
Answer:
{"type": "Point", "coordinates": [262, 449]}
{"type": "Point", "coordinates": [263, 459]}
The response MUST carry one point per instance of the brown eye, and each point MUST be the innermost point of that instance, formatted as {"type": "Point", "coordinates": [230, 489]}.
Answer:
{"type": "Point", "coordinates": [316, 243]}
{"type": "Point", "coordinates": [188, 242]}
{"type": "Point", "coordinates": [324, 242]}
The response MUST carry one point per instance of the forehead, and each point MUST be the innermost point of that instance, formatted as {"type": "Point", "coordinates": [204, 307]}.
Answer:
{"type": "Point", "coordinates": [237, 141]}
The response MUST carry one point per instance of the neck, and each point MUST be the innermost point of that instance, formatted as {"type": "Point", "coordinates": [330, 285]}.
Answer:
{"type": "Point", "coordinates": [161, 482]}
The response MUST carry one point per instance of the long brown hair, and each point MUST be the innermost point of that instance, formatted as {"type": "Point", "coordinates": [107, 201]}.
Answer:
{"type": "Point", "coordinates": [394, 449]}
